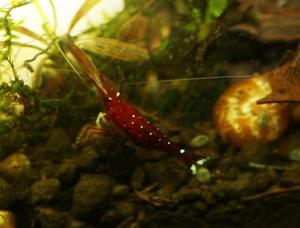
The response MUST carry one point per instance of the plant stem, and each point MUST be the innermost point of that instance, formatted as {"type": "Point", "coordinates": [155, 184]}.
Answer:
{"type": "Point", "coordinates": [46, 25]}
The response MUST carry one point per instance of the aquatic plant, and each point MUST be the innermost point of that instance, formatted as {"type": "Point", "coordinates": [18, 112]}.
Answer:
{"type": "Point", "coordinates": [8, 38]}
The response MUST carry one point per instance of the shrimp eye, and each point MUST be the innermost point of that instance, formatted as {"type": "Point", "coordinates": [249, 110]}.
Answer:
{"type": "Point", "coordinates": [107, 99]}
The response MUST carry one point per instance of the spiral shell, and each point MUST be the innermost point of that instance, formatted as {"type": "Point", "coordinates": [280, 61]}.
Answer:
{"type": "Point", "coordinates": [239, 120]}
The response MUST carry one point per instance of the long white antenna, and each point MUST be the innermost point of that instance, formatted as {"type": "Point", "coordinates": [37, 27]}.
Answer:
{"type": "Point", "coordinates": [70, 63]}
{"type": "Point", "coordinates": [192, 79]}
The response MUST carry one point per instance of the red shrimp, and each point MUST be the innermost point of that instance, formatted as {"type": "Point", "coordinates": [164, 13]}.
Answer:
{"type": "Point", "coordinates": [124, 116]}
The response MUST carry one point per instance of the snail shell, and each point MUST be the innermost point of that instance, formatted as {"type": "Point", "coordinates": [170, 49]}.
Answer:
{"type": "Point", "coordinates": [239, 120]}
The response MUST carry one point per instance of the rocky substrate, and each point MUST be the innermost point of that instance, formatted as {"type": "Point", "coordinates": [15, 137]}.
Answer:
{"type": "Point", "coordinates": [52, 184]}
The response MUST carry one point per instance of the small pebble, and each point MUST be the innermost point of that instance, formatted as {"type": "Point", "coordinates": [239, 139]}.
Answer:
{"type": "Point", "coordinates": [91, 193]}
{"type": "Point", "coordinates": [58, 145]}
{"type": "Point", "coordinates": [200, 206]}
{"type": "Point", "coordinates": [7, 196]}
{"type": "Point", "coordinates": [15, 165]}
{"type": "Point", "coordinates": [50, 218]}
{"type": "Point", "coordinates": [7, 219]}
{"type": "Point", "coordinates": [295, 154]}
{"type": "Point", "coordinates": [44, 191]}
{"type": "Point", "coordinates": [199, 141]}
{"type": "Point", "coordinates": [203, 175]}
{"type": "Point", "coordinates": [88, 159]}
{"type": "Point", "coordinates": [73, 223]}
{"type": "Point", "coordinates": [67, 172]}
{"type": "Point", "coordinates": [125, 209]}
{"type": "Point", "coordinates": [137, 178]}
{"type": "Point", "coordinates": [120, 190]}
{"type": "Point", "coordinates": [289, 178]}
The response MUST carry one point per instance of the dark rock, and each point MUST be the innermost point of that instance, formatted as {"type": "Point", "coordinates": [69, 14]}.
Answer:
{"type": "Point", "coordinates": [125, 209]}
{"type": "Point", "coordinates": [252, 152]}
{"type": "Point", "coordinates": [67, 172]}
{"type": "Point", "coordinates": [44, 191]}
{"type": "Point", "coordinates": [11, 141]}
{"type": "Point", "coordinates": [110, 218]}
{"type": "Point", "coordinates": [88, 159]}
{"type": "Point", "coordinates": [102, 167]}
{"type": "Point", "coordinates": [264, 179]}
{"type": "Point", "coordinates": [6, 194]}
{"type": "Point", "coordinates": [91, 193]}
{"type": "Point", "coordinates": [141, 215]}
{"type": "Point", "coordinates": [288, 146]}
{"type": "Point", "coordinates": [150, 155]}
{"type": "Point", "coordinates": [122, 210]}
{"type": "Point", "coordinates": [223, 166]}
{"type": "Point", "coordinates": [244, 183]}
{"type": "Point", "coordinates": [124, 160]}
{"type": "Point", "coordinates": [135, 225]}
{"type": "Point", "coordinates": [121, 190]}
{"type": "Point", "coordinates": [289, 178]}
{"type": "Point", "coordinates": [73, 223]}
{"type": "Point", "coordinates": [200, 206]}
{"type": "Point", "coordinates": [186, 194]}
{"type": "Point", "coordinates": [170, 174]}
{"type": "Point", "coordinates": [50, 218]}
{"type": "Point", "coordinates": [241, 186]}
{"type": "Point", "coordinates": [137, 178]}
{"type": "Point", "coordinates": [58, 144]}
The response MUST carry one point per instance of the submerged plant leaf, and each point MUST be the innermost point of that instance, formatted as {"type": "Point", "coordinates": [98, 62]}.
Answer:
{"type": "Point", "coordinates": [115, 49]}
{"type": "Point", "coordinates": [285, 83]}
{"type": "Point", "coordinates": [29, 33]}
{"type": "Point", "coordinates": [215, 8]}
{"type": "Point", "coordinates": [83, 10]}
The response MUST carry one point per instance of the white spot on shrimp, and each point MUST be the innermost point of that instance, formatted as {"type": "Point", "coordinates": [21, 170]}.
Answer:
{"type": "Point", "coordinates": [133, 116]}
{"type": "Point", "coordinates": [157, 129]}
{"type": "Point", "coordinates": [182, 151]}
{"type": "Point", "coordinates": [168, 142]}
{"type": "Point", "coordinates": [141, 126]}
{"type": "Point", "coordinates": [148, 122]}
{"type": "Point", "coordinates": [132, 123]}
{"type": "Point", "coordinates": [159, 140]}
{"type": "Point", "coordinates": [150, 133]}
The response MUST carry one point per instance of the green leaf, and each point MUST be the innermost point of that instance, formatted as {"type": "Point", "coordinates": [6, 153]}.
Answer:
{"type": "Point", "coordinates": [215, 8]}
{"type": "Point", "coordinates": [17, 3]}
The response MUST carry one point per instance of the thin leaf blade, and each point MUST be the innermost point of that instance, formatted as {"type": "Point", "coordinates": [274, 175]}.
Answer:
{"type": "Point", "coordinates": [83, 10]}
{"type": "Point", "coordinates": [116, 49]}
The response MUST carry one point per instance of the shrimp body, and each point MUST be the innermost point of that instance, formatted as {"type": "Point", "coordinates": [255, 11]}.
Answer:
{"type": "Point", "coordinates": [138, 129]}
{"type": "Point", "coordinates": [124, 116]}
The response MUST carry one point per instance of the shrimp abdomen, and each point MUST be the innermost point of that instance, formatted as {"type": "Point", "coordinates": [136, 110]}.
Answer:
{"type": "Point", "coordinates": [140, 130]}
